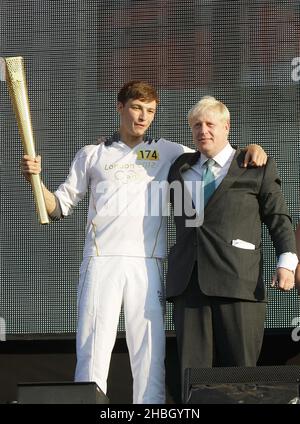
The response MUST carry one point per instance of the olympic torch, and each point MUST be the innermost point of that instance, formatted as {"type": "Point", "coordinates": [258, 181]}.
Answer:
{"type": "Point", "coordinates": [17, 87]}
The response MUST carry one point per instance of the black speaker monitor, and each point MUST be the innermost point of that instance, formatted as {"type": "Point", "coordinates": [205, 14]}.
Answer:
{"type": "Point", "coordinates": [246, 385]}
{"type": "Point", "coordinates": [61, 393]}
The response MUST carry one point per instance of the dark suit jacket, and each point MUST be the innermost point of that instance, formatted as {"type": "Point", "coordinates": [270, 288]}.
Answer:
{"type": "Point", "coordinates": [245, 198]}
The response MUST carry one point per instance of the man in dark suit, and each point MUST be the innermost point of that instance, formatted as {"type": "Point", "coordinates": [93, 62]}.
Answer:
{"type": "Point", "coordinates": [215, 275]}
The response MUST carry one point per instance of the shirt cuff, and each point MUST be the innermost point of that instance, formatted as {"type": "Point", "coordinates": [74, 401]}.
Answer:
{"type": "Point", "coordinates": [288, 260]}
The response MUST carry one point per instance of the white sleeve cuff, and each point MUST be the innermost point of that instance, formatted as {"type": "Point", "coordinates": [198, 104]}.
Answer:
{"type": "Point", "coordinates": [288, 260]}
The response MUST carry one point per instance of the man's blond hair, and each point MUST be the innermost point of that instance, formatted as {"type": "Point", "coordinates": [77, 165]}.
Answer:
{"type": "Point", "coordinates": [209, 103]}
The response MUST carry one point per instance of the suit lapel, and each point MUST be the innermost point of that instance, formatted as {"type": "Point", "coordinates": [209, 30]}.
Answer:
{"type": "Point", "coordinates": [235, 170]}
{"type": "Point", "coordinates": [187, 199]}
{"type": "Point", "coordinates": [190, 161]}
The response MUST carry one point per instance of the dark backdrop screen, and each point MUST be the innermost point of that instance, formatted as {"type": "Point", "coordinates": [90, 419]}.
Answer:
{"type": "Point", "coordinates": [77, 55]}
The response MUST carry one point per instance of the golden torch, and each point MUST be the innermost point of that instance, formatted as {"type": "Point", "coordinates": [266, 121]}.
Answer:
{"type": "Point", "coordinates": [16, 81]}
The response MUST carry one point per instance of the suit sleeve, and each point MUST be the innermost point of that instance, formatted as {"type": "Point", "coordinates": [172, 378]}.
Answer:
{"type": "Point", "coordinates": [274, 212]}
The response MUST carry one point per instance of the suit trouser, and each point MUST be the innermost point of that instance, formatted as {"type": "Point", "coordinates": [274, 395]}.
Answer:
{"type": "Point", "coordinates": [105, 284]}
{"type": "Point", "coordinates": [215, 331]}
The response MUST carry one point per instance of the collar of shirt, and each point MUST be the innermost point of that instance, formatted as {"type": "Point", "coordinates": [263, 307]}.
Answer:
{"type": "Point", "coordinates": [123, 146]}
{"type": "Point", "coordinates": [221, 158]}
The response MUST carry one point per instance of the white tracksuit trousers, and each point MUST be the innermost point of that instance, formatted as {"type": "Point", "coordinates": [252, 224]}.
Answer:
{"type": "Point", "coordinates": [107, 282]}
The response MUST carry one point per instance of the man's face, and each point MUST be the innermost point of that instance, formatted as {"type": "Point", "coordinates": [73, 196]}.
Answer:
{"type": "Point", "coordinates": [210, 132]}
{"type": "Point", "coordinates": [136, 116]}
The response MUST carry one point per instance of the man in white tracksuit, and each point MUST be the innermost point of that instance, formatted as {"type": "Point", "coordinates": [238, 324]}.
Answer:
{"type": "Point", "coordinates": [125, 242]}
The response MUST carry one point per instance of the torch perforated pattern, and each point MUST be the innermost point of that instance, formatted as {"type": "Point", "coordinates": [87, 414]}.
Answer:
{"type": "Point", "coordinates": [16, 81]}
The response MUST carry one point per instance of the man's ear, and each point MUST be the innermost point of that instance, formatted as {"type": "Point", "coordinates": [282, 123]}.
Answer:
{"type": "Point", "coordinates": [227, 125]}
{"type": "Point", "coordinates": [120, 107]}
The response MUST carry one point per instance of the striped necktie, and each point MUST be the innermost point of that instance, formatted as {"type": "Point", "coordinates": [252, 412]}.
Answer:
{"type": "Point", "coordinates": [209, 181]}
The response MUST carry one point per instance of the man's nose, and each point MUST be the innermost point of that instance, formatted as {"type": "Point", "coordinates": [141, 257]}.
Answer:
{"type": "Point", "coordinates": [143, 115]}
{"type": "Point", "coordinates": [203, 129]}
